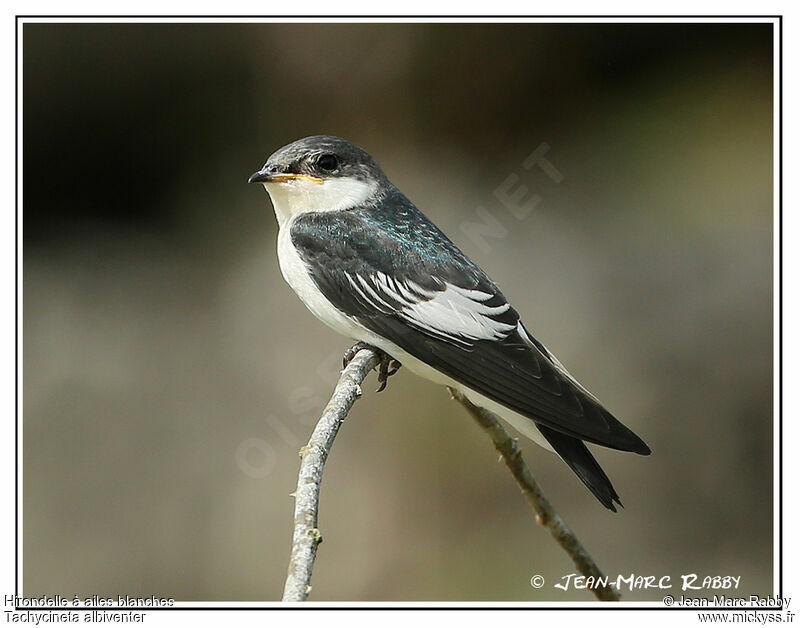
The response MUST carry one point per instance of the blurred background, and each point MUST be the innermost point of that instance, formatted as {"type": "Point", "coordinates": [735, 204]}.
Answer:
{"type": "Point", "coordinates": [170, 375]}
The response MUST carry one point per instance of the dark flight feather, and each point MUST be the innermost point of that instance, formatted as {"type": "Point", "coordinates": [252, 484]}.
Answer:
{"type": "Point", "coordinates": [385, 267]}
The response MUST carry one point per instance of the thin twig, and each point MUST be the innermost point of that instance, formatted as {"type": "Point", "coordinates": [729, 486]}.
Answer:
{"type": "Point", "coordinates": [546, 515]}
{"type": "Point", "coordinates": [306, 535]}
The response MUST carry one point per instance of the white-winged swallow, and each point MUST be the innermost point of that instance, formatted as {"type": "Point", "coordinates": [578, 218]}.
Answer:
{"type": "Point", "coordinates": [373, 267]}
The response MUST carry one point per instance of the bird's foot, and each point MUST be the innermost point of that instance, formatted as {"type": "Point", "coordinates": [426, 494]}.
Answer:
{"type": "Point", "coordinates": [387, 367]}
{"type": "Point", "coordinates": [352, 351]}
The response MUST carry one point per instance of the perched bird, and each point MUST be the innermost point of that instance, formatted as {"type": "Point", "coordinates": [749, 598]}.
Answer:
{"type": "Point", "coordinates": [373, 267]}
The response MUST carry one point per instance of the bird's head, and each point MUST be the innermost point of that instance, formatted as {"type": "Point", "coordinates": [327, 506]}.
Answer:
{"type": "Point", "coordinates": [317, 174]}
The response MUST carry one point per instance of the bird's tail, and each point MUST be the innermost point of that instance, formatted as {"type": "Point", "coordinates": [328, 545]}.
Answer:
{"type": "Point", "coordinates": [580, 460]}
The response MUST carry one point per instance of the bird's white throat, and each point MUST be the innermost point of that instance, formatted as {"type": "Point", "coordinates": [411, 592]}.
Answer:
{"type": "Point", "coordinates": [298, 196]}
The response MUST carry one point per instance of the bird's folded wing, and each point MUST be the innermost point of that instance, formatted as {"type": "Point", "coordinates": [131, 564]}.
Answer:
{"type": "Point", "coordinates": [460, 324]}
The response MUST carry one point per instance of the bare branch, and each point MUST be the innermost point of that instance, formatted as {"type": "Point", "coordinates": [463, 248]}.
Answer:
{"type": "Point", "coordinates": [546, 515]}
{"type": "Point", "coordinates": [306, 535]}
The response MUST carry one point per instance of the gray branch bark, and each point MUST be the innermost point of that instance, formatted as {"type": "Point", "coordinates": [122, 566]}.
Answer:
{"type": "Point", "coordinates": [306, 537]}
{"type": "Point", "coordinates": [546, 515]}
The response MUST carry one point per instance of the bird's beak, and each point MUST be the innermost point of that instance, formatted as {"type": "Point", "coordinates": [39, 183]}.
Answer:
{"type": "Point", "coordinates": [267, 176]}
{"type": "Point", "coordinates": [262, 176]}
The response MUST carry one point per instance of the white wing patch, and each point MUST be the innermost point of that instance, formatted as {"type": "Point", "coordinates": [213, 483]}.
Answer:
{"type": "Point", "coordinates": [455, 313]}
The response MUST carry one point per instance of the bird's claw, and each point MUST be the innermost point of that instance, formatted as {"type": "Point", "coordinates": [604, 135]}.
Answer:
{"type": "Point", "coordinates": [388, 366]}
{"type": "Point", "coordinates": [352, 351]}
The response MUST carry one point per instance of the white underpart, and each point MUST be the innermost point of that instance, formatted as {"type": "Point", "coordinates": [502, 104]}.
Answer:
{"type": "Point", "coordinates": [295, 273]}
{"type": "Point", "coordinates": [291, 198]}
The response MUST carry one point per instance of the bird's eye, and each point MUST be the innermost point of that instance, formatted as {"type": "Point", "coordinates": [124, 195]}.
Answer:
{"type": "Point", "coordinates": [328, 163]}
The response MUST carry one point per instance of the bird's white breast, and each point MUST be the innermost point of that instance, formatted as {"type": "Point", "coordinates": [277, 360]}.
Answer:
{"type": "Point", "coordinates": [295, 272]}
